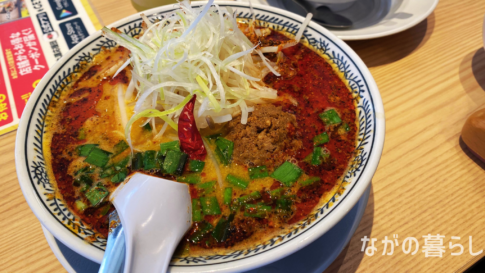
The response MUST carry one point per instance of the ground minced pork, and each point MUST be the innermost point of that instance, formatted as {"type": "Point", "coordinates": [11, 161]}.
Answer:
{"type": "Point", "coordinates": [268, 138]}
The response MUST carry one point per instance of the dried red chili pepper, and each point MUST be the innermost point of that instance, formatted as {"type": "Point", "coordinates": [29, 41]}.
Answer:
{"type": "Point", "coordinates": [190, 139]}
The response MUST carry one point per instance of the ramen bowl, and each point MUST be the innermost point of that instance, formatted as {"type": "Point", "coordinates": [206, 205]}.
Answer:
{"type": "Point", "coordinates": [39, 191]}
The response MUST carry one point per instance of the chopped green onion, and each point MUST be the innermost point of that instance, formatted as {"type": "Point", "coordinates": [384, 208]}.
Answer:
{"type": "Point", "coordinates": [321, 139]}
{"type": "Point", "coordinates": [80, 170]}
{"type": "Point", "coordinates": [122, 163]}
{"type": "Point", "coordinates": [309, 181]}
{"type": "Point", "coordinates": [87, 169]}
{"type": "Point", "coordinates": [105, 209]}
{"type": "Point", "coordinates": [189, 178]}
{"type": "Point", "coordinates": [210, 205]}
{"type": "Point", "coordinates": [258, 172]}
{"type": "Point", "coordinates": [160, 160]}
{"type": "Point", "coordinates": [308, 158]}
{"type": "Point", "coordinates": [107, 172]}
{"type": "Point", "coordinates": [84, 179]}
{"type": "Point", "coordinates": [96, 194]}
{"type": "Point", "coordinates": [235, 206]}
{"type": "Point", "coordinates": [120, 176]}
{"type": "Point", "coordinates": [181, 165]}
{"type": "Point", "coordinates": [137, 163]}
{"type": "Point", "coordinates": [330, 117]}
{"type": "Point", "coordinates": [227, 196]}
{"type": "Point", "coordinates": [259, 210]}
{"type": "Point", "coordinates": [149, 160]}
{"type": "Point", "coordinates": [84, 188]}
{"type": "Point", "coordinates": [215, 136]}
{"type": "Point", "coordinates": [147, 127]}
{"type": "Point", "coordinates": [250, 197]}
{"type": "Point", "coordinates": [275, 194]}
{"type": "Point", "coordinates": [120, 147]}
{"type": "Point", "coordinates": [169, 146]}
{"type": "Point", "coordinates": [172, 160]}
{"type": "Point", "coordinates": [80, 205]}
{"type": "Point", "coordinates": [344, 128]}
{"type": "Point", "coordinates": [85, 149]}
{"type": "Point", "coordinates": [76, 183]}
{"type": "Point", "coordinates": [207, 187]}
{"type": "Point", "coordinates": [224, 150]}
{"type": "Point", "coordinates": [237, 181]}
{"type": "Point", "coordinates": [98, 157]}
{"type": "Point", "coordinates": [221, 231]}
{"type": "Point", "coordinates": [196, 165]}
{"type": "Point", "coordinates": [204, 228]}
{"type": "Point", "coordinates": [196, 210]}
{"type": "Point", "coordinates": [82, 134]}
{"type": "Point", "coordinates": [287, 173]}
{"type": "Point", "coordinates": [283, 204]}
{"type": "Point", "coordinates": [317, 156]}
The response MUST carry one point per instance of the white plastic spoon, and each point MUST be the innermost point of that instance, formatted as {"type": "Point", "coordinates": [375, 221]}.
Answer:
{"type": "Point", "coordinates": [155, 214]}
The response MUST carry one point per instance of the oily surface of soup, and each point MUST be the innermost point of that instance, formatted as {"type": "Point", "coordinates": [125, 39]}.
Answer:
{"type": "Point", "coordinates": [275, 169]}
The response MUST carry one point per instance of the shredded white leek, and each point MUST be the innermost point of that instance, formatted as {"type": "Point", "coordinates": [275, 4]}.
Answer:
{"type": "Point", "coordinates": [194, 51]}
{"type": "Point", "coordinates": [216, 164]}
{"type": "Point", "coordinates": [122, 105]}
{"type": "Point", "coordinates": [299, 34]}
{"type": "Point", "coordinates": [307, 20]}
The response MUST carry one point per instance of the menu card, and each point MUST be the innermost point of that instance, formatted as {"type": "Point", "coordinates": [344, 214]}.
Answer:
{"type": "Point", "coordinates": [34, 35]}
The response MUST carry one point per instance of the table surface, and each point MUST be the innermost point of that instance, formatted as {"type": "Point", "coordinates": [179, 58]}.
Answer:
{"type": "Point", "coordinates": [431, 78]}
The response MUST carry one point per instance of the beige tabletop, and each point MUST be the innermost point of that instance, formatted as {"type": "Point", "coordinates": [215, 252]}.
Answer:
{"type": "Point", "coordinates": [431, 78]}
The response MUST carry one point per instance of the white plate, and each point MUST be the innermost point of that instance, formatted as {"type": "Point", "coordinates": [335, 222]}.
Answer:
{"type": "Point", "coordinates": [316, 257]}
{"type": "Point", "coordinates": [371, 18]}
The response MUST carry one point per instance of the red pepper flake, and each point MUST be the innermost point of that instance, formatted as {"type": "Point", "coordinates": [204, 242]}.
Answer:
{"type": "Point", "coordinates": [190, 139]}
{"type": "Point", "coordinates": [275, 185]}
{"type": "Point", "coordinates": [209, 218]}
{"type": "Point", "coordinates": [193, 192]}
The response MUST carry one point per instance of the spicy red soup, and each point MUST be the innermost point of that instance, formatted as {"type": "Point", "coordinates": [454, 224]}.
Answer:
{"type": "Point", "coordinates": [275, 169]}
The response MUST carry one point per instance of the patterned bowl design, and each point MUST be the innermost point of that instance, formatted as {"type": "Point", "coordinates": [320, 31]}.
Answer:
{"type": "Point", "coordinates": [56, 217]}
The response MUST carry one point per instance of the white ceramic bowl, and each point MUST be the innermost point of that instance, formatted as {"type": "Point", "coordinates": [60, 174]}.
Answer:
{"type": "Point", "coordinates": [65, 226]}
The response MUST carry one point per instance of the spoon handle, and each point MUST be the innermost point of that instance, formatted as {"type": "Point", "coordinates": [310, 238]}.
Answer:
{"type": "Point", "coordinates": [155, 214]}
{"type": "Point", "coordinates": [114, 255]}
